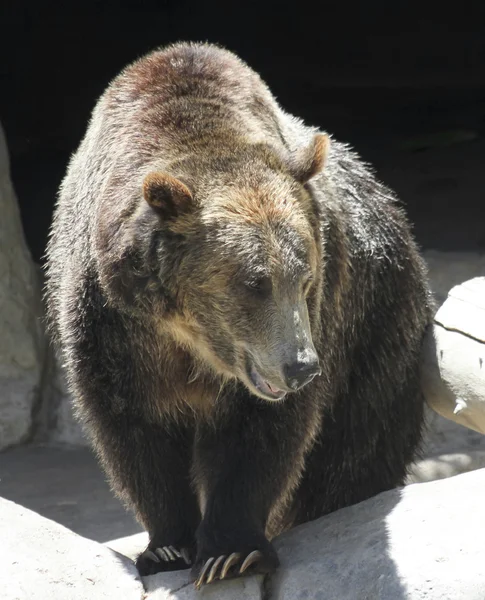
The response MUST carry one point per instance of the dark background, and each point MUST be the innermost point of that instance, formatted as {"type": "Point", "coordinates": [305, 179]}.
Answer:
{"type": "Point", "coordinates": [401, 81]}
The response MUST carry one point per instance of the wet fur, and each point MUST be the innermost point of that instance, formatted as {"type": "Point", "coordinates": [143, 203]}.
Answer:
{"type": "Point", "coordinates": [179, 436]}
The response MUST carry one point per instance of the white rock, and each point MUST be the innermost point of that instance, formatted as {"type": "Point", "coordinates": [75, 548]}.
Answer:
{"type": "Point", "coordinates": [176, 586]}
{"type": "Point", "coordinates": [454, 357]}
{"type": "Point", "coordinates": [130, 545]}
{"type": "Point", "coordinates": [42, 560]}
{"type": "Point", "coordinates": [421, 542]}
{"type": "Point", "coordinates": [453, 367]}
{"type": "Point", "coordinates": [22, 345]}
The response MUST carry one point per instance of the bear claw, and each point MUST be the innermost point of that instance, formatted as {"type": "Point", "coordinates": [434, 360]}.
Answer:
{"type": "Point", "coordinates": [157, 559]}
{"type": "Point", "coordinates": [232, 560]}
{"type": "Point", "coordinates": [175, 552]}
{"type": "Point", "coordinates": [167, 554]}
{"type": "Point", "coordinates": [151, 555]}
{"type": "Point", "coordinates": [212, 564]}
{"type": "Point", "coordinates": [249, 560]}
{"type": "Point", "coordinates": [215, 566]}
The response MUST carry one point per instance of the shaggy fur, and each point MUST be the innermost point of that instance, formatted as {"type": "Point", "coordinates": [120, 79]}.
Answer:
{"type": "Point", "coordinates": [193, 219]}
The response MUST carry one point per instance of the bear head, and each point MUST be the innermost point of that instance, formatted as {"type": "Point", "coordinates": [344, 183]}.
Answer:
{"type": "Point", "coordinates": [245, 261]}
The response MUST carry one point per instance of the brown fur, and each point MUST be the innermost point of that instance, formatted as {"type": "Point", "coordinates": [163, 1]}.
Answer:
{"type": "Point", "coordinates": [206, 244]}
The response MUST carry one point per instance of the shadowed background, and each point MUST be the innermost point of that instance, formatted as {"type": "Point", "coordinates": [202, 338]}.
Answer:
{"type": "Point", "coordinates": [395, 79]}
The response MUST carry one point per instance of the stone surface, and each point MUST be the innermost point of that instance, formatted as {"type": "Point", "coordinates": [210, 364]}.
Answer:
{"type": "Point", "coordinates": [443, 436]}
{"type": "Point", "coordinates": [446, 465]}
{"type": "Point", "coordinates": [412, 544]}
{"type": "Point", "coordinates": [131, 545]}
{"type": "Point", "coordinates": [176, 586]}
{"type": "Point", "coordinates": [416, 543]}
{"type": "Point", "coordinates": [54, 418]}
{"type": "Point", "coordinates": [56, 422]}
{"type": "Point", "coordinates": [65, 429]}
{"type": "Point", "coordinates": [454, 357]}
{"type": "Point", "coordinates": [358, 545]}
{"type": "Point", "coordinates": [454, 377]}
{"type": "Point", "coordinates": [42, 560]}
{"type": "Point", "coordinates": [66, 485]}
{"type": "Point", "coordinates": [454, 371]}
{"type": "Point", "coordinates": [22, 346]}
{"type": "Point", "coordinates": [34, 401]}
{"type": "Point", "coordinates": [464, 309]}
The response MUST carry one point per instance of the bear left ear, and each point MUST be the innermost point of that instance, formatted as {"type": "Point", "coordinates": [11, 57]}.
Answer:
{"type": "Point", "coordinates": [308, 161]}
{"type": "Point", "coordinates": [168, 196]}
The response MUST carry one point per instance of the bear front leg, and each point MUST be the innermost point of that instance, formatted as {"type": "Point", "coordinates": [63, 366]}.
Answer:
{"type": "Point", "coordinates": [149, 468]}
{"type": "Point", "coordinates": [117, 377]}
{"type": "Point", "coordinates": [148, 464]}
{"type": "Point", "coordinates": [164, 499]}
{"type": "Point", "coordinates": [247, 463]}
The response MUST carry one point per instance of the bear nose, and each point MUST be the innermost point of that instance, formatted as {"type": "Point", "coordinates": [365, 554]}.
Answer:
{"type": "Point", "coordinates": [299, 373]}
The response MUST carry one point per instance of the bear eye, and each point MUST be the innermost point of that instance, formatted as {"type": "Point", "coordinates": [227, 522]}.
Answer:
{"type": "Point", "coordinates": [261, 285]}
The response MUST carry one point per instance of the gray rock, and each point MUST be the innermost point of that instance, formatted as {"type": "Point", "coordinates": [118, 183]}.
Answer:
{"type": "Point", "coordinates": [454, 383]}
{"type": "Point", "coordinates": [56, 421]}
{"type": "Point", "coordinates": [34, 401]}
{"type": "Point", "coordinates": [417, 543]}
{"type": "Point", "coordinates": [22, 345]}
{"type": "Point", "coordinates": [65, 484]}
{"type": "Point", "coordinates": [454, 357]}
{"type": "Point", "coordinates": [66, 428]}
{"type": "Point", "coordinates": [176, 586]}
{"type": "Point", "coordinates": [42, 560]}
{"type": "Point", "coordinates": [446, 465]}
{"type": "Point", "coordinates": [130, 545]}
{"type": "Point", "coordinates": [445, 436]}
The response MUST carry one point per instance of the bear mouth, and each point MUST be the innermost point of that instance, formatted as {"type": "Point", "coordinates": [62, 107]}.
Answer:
{"type": "Point", "coordinates": [264, 388]}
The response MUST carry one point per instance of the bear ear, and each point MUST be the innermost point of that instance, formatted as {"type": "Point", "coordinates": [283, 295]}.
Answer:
{"type": "Point", "coordinates": [168, 196]}
{"type": "Point", "coordinates": [308, 161]}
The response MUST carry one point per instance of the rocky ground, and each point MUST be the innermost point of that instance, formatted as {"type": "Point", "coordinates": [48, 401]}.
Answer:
{"type": "Point", "coordinates": [410, 544]}
{"type": "Point", "coordinates": [66, 485]}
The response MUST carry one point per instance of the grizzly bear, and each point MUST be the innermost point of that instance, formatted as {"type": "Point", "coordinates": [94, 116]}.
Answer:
{"type": "Point", "coordinates": [240, 305]}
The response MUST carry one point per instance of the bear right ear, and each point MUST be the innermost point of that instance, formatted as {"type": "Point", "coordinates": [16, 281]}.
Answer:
{"type": "Point", "coordinates": [168, 196]}
{"type": "Point", "coordinates": [309, 161]}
